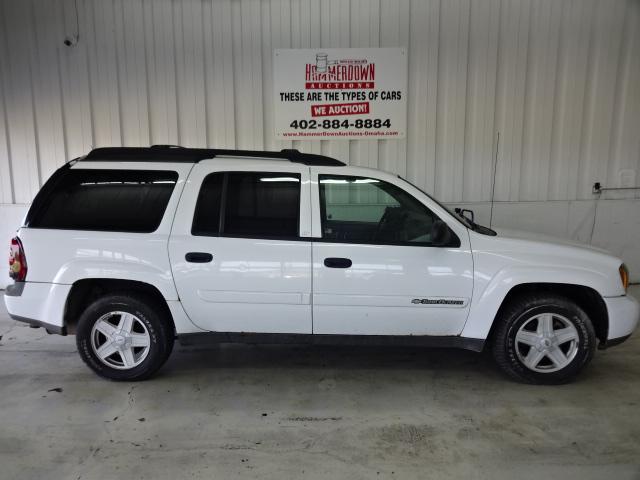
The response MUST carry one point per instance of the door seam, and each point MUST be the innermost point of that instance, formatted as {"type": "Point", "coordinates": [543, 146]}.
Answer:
{"type": "Point", "coordinates": [311, 244]}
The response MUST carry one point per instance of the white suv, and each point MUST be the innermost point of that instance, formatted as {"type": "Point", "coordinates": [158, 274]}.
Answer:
{"type": "Point", "coordinates": [130, 248]}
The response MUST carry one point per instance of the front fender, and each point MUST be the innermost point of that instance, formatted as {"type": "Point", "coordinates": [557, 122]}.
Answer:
{"type": "Point", "coordinates": [490, 294]}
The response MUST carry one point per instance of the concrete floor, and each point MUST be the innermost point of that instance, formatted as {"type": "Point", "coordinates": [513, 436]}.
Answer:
{"type": "Point", "coordinates": [299, 412]}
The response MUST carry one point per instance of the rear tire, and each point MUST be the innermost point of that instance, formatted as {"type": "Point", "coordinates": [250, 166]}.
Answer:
{"type": "Point", "coordinates": [124, 337]}
{"type": "Point", "coordinates": [543, 339]}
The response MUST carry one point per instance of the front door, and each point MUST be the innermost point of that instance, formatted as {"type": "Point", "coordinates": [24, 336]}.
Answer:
{"type": "Point", "coordinates": [238, 261]}
{"type": "Point", "coordinates": [376, 271]}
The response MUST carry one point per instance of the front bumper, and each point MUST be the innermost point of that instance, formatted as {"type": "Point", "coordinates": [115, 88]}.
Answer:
{"type": "Point", "coordinates": [624, 313]}
{"type": "Point", "coordinates": [38, 304]}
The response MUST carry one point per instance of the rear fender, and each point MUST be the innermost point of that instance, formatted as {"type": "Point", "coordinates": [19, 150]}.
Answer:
{"type": "Point", "coordinates": [76, 270]}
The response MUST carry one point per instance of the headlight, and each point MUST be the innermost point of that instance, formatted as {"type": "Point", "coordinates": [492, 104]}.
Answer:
{"type": "Point", "coordinates": [624, 276]}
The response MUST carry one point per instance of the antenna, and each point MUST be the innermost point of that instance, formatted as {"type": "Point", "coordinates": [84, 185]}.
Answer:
{"type": "Point", "coordinates": [493, 182]}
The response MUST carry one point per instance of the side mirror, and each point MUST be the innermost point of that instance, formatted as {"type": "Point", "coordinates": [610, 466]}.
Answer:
{"type": "Point", "coordinates": [440, 233]}
{"type": "Point", "coordinates": [463, 211]}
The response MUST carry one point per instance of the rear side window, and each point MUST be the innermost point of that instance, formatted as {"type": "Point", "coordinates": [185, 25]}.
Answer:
{"type": "Point", "coordinates": [248, 204]}
{"type": "Point", "coordinates": [106, 200]}
{"type": "Point", "coordinates": [206, 220]}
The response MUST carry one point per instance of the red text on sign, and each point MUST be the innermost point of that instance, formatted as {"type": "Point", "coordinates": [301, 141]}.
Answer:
{"type": "Point", "coordinates": [339, 109]}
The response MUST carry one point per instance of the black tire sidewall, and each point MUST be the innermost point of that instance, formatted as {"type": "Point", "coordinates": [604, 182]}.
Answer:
{"type": "Point", "coordinates": [156, 325]}
{"type": "Point", "coordinates": [513, 322]}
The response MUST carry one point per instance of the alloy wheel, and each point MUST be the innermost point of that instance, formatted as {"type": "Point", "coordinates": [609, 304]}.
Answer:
{"type": "Point", "coordinates": [547, 342]}
{"type": "Point", "coordinates": [120, 340]}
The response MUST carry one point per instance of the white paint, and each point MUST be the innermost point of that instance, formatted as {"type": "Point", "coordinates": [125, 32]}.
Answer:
{"type": "Point", "coordinates": [617, 226]}
{"type": "Point", "coordinates": [270, 286]}
{"type": "Point", "coordinates": [40, 301]}
{"type": "Point", "coordinates": [66, 256]}
{"type": "Point", "coordinates": [513, 258]}
{"type": "Point", "coordinates": [251, 285]}
{"type": "Point", "coordinates": [384, 276]}
{"type": "Point", "coordinates": [610, 224]}
{"type": "Point", "coordinates": [559, 79]}
{"type": "Point", "coordinates": [626, 314]}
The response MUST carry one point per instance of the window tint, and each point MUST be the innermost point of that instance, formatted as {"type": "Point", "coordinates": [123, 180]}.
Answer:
{"type": "Point", "coordinates": [206, 220]}
{"type": "Point", "coordinates": [367, 210]}
{"type": "Point", "coordinates": [253, 204]}
{"type": "Point", "coordinates": [107, 200]}
{"type": "Point", "coordinates": [262, 204]}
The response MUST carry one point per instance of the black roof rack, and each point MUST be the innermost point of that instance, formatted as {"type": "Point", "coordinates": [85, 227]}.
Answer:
{"type": "Point", "coordinates": [173, 153]}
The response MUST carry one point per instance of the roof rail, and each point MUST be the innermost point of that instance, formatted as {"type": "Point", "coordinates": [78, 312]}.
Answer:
{"type": "Point", "coordinates": [175, 153]}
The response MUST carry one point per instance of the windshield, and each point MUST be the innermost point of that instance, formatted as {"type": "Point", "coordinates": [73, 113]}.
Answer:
{"type": "Point", "coordinates": [459, 217]}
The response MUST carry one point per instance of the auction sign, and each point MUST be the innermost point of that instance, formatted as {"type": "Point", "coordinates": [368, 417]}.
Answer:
{"type": "Point", "coordinates": [334, 93]}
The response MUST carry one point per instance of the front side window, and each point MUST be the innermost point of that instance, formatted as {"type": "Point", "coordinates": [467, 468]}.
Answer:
{"type": "Point", "coordinates": [106, 200]}
{"type": "Point", "coordinates": [367, 210]}
{"type": "Point", "coordinates": [248, 204]}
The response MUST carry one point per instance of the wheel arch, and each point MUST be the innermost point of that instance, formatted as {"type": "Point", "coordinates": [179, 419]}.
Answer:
{"type": "Point", "coordinates": [587, 298]}
{"type": "Point", "coordinates": [84, 292]}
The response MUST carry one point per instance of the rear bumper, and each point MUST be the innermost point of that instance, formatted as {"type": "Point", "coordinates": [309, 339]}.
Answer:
{"type": "Point", "coordinates": [624, 313]}
{"type": "Point", "coordinates": [37, 323]}
{"type": "Point", "coordinates": [38, 304]}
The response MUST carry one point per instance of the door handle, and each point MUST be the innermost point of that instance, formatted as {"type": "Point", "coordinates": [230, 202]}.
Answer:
{"type": "Point", "coordinates": [198, 257]}
{"type": "Point", "coordinates": [333, 262]}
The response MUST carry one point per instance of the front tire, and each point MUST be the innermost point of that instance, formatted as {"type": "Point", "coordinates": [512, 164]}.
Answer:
{"type": "Point", "coordinates": [124, 337]}
{"type": "Point", "coordinates": [543, 339]}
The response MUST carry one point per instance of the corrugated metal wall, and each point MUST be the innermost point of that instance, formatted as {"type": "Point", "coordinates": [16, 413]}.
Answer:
{"type": "Point", "coordinates": [559, 79]}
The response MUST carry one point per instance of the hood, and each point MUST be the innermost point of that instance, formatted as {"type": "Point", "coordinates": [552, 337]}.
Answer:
{"type": "Point", "coordinates": [524, 257]}
{"type": "Point", "coordinates": [546, 239]}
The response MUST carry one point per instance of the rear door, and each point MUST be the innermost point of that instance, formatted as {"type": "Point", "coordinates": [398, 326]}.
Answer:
{"type": "Point", "coordinates": [375, 269]}
{"type": "Point", "coordinates": [239, 259]}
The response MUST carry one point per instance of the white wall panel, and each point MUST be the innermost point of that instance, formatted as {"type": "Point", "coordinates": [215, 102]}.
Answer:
{"type": "Point", "coordinates": [480, 140]}
{"type": "Point", "coordinates": [569, 94]}
{"type": "Point", "coordinates": [559, 80]}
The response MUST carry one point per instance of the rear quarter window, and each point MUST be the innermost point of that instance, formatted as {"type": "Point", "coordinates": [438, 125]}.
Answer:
{"type": "Point", "coordinates": [105, 200]}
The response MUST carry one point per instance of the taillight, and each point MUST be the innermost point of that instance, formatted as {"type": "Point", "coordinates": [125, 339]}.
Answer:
{"type": "Point", "coordinates": [17, 261]}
